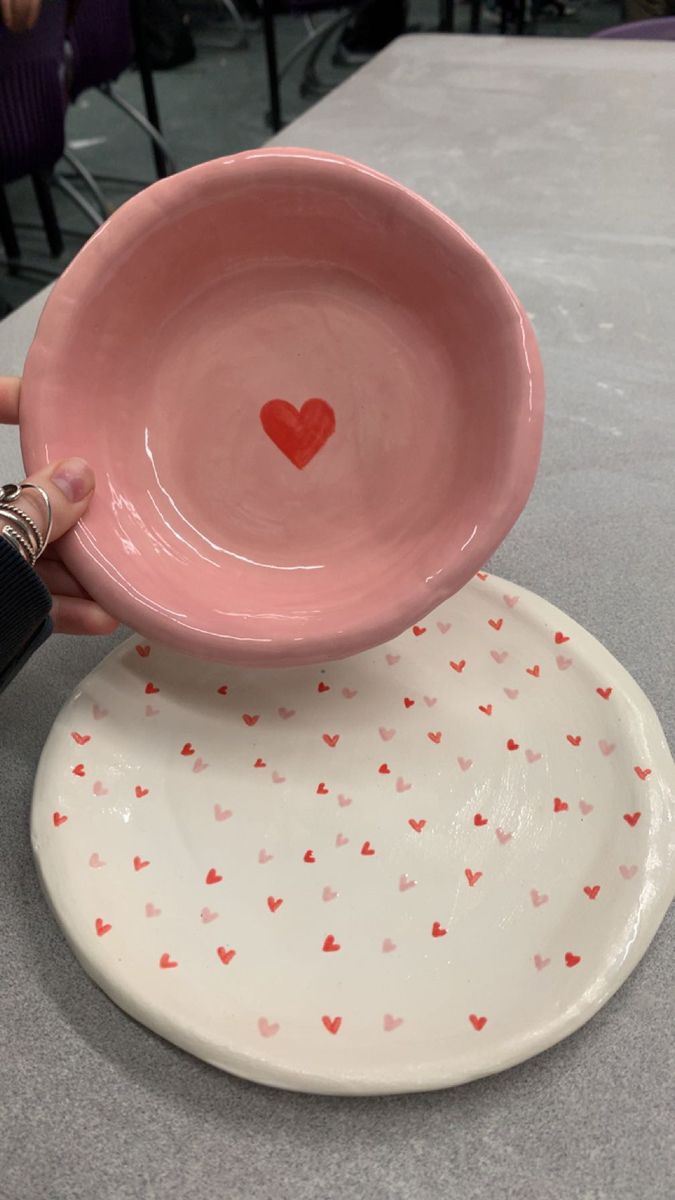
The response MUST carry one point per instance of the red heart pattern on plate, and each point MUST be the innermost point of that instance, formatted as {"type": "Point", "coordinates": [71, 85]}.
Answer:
{"type": "Point", "coordinates": [298, 433]}
{"type": "Point", "coordinates": [361, 880]}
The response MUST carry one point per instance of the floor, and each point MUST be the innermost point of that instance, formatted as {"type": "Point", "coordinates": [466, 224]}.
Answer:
{"type": "Point", "coordinates": [211, 106]}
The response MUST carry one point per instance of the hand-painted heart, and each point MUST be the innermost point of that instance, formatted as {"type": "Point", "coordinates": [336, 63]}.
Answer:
{"type": "Point", "coordinates": [592, 892]}
{"type": "Point", "coordinates": [140, 792]}
{"type": "Point", "coordinates": [477, 1022]}
{"type": "Point", "coordinates": [140, 863]}
{"type": "Point", "coordinates": [81, 738]}
{"type": "Point", "coordinates": [390, 1023]}
{"type": "Point", "coordinates": [298, 433]}
{"type": "Point", "coordinates": [212, 876]}
{"type": "Point", "coordinates": [273, 904]}
{"type": "Point", "coordinates": [437, 930]}
{"type": "Point", "coordinates": [323, 687]}
{"type": "Point", "coordinates": [101, 927]}
{"type": "Point", "coordinates": [151, 911]}
{"type": "Point", "coordinates": [332, 1024]}
{"type": "Point", "coordinates": [309, 856]}
{"type": "Point", "coordinates": [166, 962]}
{"type": "Point", "coordinates": [225, 955]}
{"type": "Point", "coordinates": [571, 960]}
{"type": "Point", "coordinates": [268, 1028]}
{"type": "Point", "coordinates": [207, 916]}
{"type": "Point", "coordinates": [418, 826]}
{"type": "Point", "coordinates": [472, 876]}
{"type": "Point", "coordinates": [59, 819]}
{"type": "Point", "coordinates": [559, 805]}
{"type": "Point", "coordinates": [330, 944]}
{"type": "Point", "coordinates": [479, 819]}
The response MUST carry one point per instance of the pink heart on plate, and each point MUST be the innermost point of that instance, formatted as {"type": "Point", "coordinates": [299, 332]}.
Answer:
{"type": "Point", "coordinates": [585, 807]}
{"type": "Point", "coordinates": [606, 747]}
{"type": "Point", "coordinates": [443, 626]}
{"type": "Point", "coordinates": [388, 946]}
{"type": "Point", "coordinates": [404, 883]}
{"type": "Point", "coordinates": [150, 711]}
{"type": "Point", "coordinates": [264, 857]}
{"type": "Point", "coordinates": [99, 789]}
{"type": "Point", "coordinates": [511, 601]}
{"type": "Point", "coordinates": [390, 1023]}
{"type": "Point", "coordinates": [465, 763]}
{"type": "Point", "coordinates": [328, 894]}
{"type": "Point", "coordinates": [207, 916]}
{"type": "Point", "coordinates": [221, 814]}
{"type": "Point", "coordinates": [386, 734]}
{"type": "Point", "coordinates": [268, 1028]}
{"type": "Point", "coordinates": [96, 861]}
{"type": "Point", "coordinates": [563, 663]}
{"type": "Point", "coordinates": [344, 801]}
{"type": "Point", "coordinates": [540, 962]}
{"type": "Point", "coordinates": [532, 756]}
{"type": "Point", "coordinates": [503, 837]}
{"type": "Point", "coordinates": [151, 911]}
{"type": "Point", "coordinates": [430, 701]}
{"type": "Point", "coordinates": [392, 659]}
{"type": "Point", "coordinates": [348, 693]}
{"type": "Point", "coordinates": [627, 872]}
{"type": "Point", "coordinates": [499, 656]}
{"type": "Point", "coordinates": [99, 713]}
{"type": "Point", "coordinates": [401, 785]}
{"type": "Point", "coordinates": [199, 766]}
{"type": "Point", "coordinates": [341, 840]}
{"type": "Point", "coordinates": [538, 898]}
{"type": "Point", "coordinates": [277, 778]}
{"type": "Point", "coordinates": [512, 693]}
{"type": "Point", "coordinates": [286, 713]}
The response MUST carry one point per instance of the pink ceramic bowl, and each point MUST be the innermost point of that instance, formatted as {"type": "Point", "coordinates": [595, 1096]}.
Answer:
{"type": "Point", "coordinates": [313, 406]}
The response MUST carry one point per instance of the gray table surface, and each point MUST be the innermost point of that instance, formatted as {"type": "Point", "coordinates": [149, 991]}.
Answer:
{"type": "Point", "coordinates": [558, 157]}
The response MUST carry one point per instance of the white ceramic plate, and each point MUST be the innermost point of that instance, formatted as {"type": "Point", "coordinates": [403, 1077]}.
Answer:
{"type": "Point", "coordinates": [398, 872]}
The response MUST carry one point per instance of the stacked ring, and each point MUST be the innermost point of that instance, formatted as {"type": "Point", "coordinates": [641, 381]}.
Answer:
{"type": "Point", "coordinates": [18, 527]}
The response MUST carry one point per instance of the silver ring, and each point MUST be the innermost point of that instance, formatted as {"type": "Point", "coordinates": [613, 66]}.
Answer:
{"type": "Point", "coordinates": [12, 511]}
{"type": "Point", "coordinates": [48, 507]}
{"type": "Point", "coordinates": [23, 532]}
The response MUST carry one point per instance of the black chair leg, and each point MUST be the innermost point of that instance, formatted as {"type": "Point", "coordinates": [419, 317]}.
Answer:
{"type": "Point", "coordinates": [43, 195]}
{"type": "Point", "coordinates": [272, 66]}
{"type": "Point", "coordinates": [8, 232]}
{"type": "Point", "coordinates": [447, 16]}
{"type": "Point", "coordinates": [475, 18]}
{"type": "Point", "coordinates": [147, 83]}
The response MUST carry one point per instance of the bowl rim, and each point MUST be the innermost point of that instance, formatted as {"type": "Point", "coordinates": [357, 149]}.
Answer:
{"type": "Point", "coordinates": [418, 597]}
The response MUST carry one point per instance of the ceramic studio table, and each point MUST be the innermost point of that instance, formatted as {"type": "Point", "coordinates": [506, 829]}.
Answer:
{"type": "Point", "coordinates": [558, 157]}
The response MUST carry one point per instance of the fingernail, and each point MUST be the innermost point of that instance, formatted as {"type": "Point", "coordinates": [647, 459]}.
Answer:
{"type": "Point", "coordinates": [74, 478]}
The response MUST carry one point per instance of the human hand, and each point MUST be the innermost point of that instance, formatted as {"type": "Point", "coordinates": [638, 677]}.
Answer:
{"type": "Point", "coordinates": [20, 15]}
{"type": "Point", "coordinates": [69, 485]}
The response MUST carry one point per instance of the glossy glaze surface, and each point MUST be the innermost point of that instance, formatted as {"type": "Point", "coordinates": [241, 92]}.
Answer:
{"type": "Point", "coordinates": [398, 872]}
{"type": "Point", "coordinates": [178, 353]}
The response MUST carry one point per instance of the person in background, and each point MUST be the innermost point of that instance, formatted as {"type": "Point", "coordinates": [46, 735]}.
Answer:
{"type": "Point", "coordinates": [374, 24]}
{"type": "Point", "coordinates": [38, 593]}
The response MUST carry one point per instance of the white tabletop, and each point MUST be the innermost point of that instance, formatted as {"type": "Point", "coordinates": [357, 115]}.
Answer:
{"type": "Point", "coordinates": [558, 157]}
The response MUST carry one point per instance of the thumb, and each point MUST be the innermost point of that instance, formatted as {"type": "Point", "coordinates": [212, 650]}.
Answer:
{"type": "Point", "coordinates": [69, 485]}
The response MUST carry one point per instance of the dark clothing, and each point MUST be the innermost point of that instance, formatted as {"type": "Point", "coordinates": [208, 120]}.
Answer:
{"type": "Point", "coordinates": [376, 24]}
{"type": "Point", "coordinates": [25, 605]}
